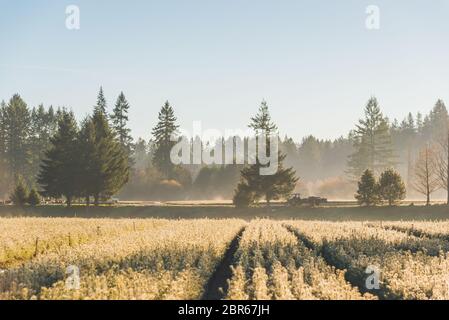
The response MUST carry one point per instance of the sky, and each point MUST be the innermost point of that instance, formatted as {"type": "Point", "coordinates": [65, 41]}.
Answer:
{"type": "Point", "coordinates": [315, 62]}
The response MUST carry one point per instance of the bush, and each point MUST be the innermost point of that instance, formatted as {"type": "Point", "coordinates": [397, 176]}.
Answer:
{"type": "Point", "coordinates": [368, 191]}
{"type": "Point", "coordinates": [19, 196]}
{"type": "Point", "coordinates": [391, 187]}
{"type": "Point", "coordinates": [243, 196]}
{"type": "Point", "coordinates": [34, 198]}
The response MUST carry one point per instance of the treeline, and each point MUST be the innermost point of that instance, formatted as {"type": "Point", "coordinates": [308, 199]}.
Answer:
{"type": "Point", "coordinates": [90, 160]}
{"type": "Point", "coordinates": [332, 168]}
{"type": "Point", "coordinates": [29, 138]}
{"type": "Point", "coordinates": [418, 148]}
{"type": "Point", "coordinates": [24, 137]}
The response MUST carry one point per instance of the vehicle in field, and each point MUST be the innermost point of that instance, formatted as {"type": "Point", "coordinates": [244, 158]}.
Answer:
{"type": "Point", "coordinates": [296, 201]}
{"type": "Point", "coordinates": [112, 201]}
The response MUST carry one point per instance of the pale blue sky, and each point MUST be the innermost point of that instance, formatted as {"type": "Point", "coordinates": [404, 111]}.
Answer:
{"type": "Point", "coordinates": [313, 61]}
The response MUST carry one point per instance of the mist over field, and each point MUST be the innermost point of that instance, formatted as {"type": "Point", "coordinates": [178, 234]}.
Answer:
{"type": "Point", "coordinates": [323, 166]}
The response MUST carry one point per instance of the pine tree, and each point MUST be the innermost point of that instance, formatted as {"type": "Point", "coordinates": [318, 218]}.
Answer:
{"type": "Point", "coordinates": [367, 193]}
{"type": "Point", "coordinates": [101, 105]}
{"type": "Point", "coordinates": [253, 185]}
{"type": "Point", "coordinates": [2, 130]}
{"type": "Point", "coordinates": [270, 187]}
{"type": "Point", "coordinates": [310, 157]}
{"type": "Point", "coordinates": [104, 160]}
{"type": "Point", "coordinates": [262, 123]}
{"type": "Point", "coordinates": [243, 196]}
{"type": "Point", "coordinates": [19, 195]}
{"type": "Point", "coordinates": [119, 121]}
{"type": "Point", "coordinates": [438, 119]}
{"type": "Point", "coordinates": [141, 157]}
{"type": "Point", "coordinates": [419, 122]}
{"type": "Point", "coordinates": [51, 122]}
{"type": "Point", "coordinates": [4, 168]}
{"type": "Point", "coordinates": [372, 142]}
{"type": "Point", "coordinates": [34, 198]}
{"type": "Point", "coordinates": [391, 187]}
{"type": "Point", "coordinates": [164, 133]}
{"type": "Point", "coordinates": [17, 121]}
{"type": "Point", "coordinates": [60, 170]}
{"type": "Point", "coordinates": [42, 129]}
{"type": "Point", "coordinates": [86, 147]}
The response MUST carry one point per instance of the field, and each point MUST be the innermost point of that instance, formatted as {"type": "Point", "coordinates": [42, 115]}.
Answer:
{"type": "Point", "coordinates": [160, 259]}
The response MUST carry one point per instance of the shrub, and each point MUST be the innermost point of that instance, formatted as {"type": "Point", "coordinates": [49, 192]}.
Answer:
{"type": "Point", "coordinates": [19, 196]}
{"type": "Point", "coordinates": [391, 187]}
{"type": "Point", "coordinates": [368, 191]}
{"type": "Point", "coordinates": [34, 198]}
{"type": "Point", "coordinates": [243, 196]}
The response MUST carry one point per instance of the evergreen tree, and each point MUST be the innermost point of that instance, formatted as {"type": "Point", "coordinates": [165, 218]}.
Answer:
{"type": "Point", "coordinates": [34, 198]}
{"type": "Point", "coordinates": [89, 164]}
{"type": "Point", "coordinates": [101, 105]}
{"type": "Point", "coordinates": [270, 187]}
{"type": "Point", "coordinates": [419, 122]}
{"type": "Point", "coordinates": [367, 193]}
{"type": "Point", "coordinates": [141, 157]}
{"type": "Point", "coordinates": [19, 195]}
{"type": "Point", "coordinates": [2, 130]}
{"type": "Point", "coordinates": [262, 123]}
{"type": "Point", "coordinates": [108, 162]}
{"type": "Point", "coordinates": [391, 187]}
{"type": "Point", "coordinates": [438, 120]}
{"type": "Point", "coordinates": [243, 196]}
{"type": "Point", "coordinates": [17, 125]}
{"type": "Point", "coordinates": [372, 142]}
{"type": "Point", "coordinates": [119, 121]}
{"type": "Point", "coordinates": [51, 122]}
{"type": "Point", "coordinates": [42, 129]}
{"type": "Point", "coordinates": [164, 133]}
{"type": "Point", "coordinates": [311, 157]}
{"type": "Point", "coordinates": [60, 170]}
{"type": "Point", "coordinates": [4, 168]}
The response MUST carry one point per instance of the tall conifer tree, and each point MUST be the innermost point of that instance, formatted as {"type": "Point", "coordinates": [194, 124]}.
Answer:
{"type": "Point", "coordinates": [108, 161]}
{"type": "Point", "coordinates": [163, 134]}
{"type": "Point", "coordinates": [60, 170]}
{"type": "Point", "coordinates": [17, 125]}
{"type": "Point", "coordinates": [101, 103]}
{"type": "Point", "coordinates": [253, 185]}
{"type": "Point", "coordinates": [120, 119]}
{"type": "Point", "coordinates": [372, 142]}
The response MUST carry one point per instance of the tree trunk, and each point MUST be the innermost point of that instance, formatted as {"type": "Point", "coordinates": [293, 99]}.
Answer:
{"type": "Point", "coordinates": [69, 201]}
{"type": "Point", "coordinates": [87, 201]}
{"type": "Point", "coordinates": [268, 200]}
{"type": "Point", "coordinates": [97, 200]}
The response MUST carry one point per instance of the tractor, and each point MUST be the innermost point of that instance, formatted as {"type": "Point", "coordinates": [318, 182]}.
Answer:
{"type": "Point", "coordinates": [296, 201]}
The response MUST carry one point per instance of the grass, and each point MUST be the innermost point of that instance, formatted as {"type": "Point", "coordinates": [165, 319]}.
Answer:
{"type": "Point", "coordinates": [331, 213]}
